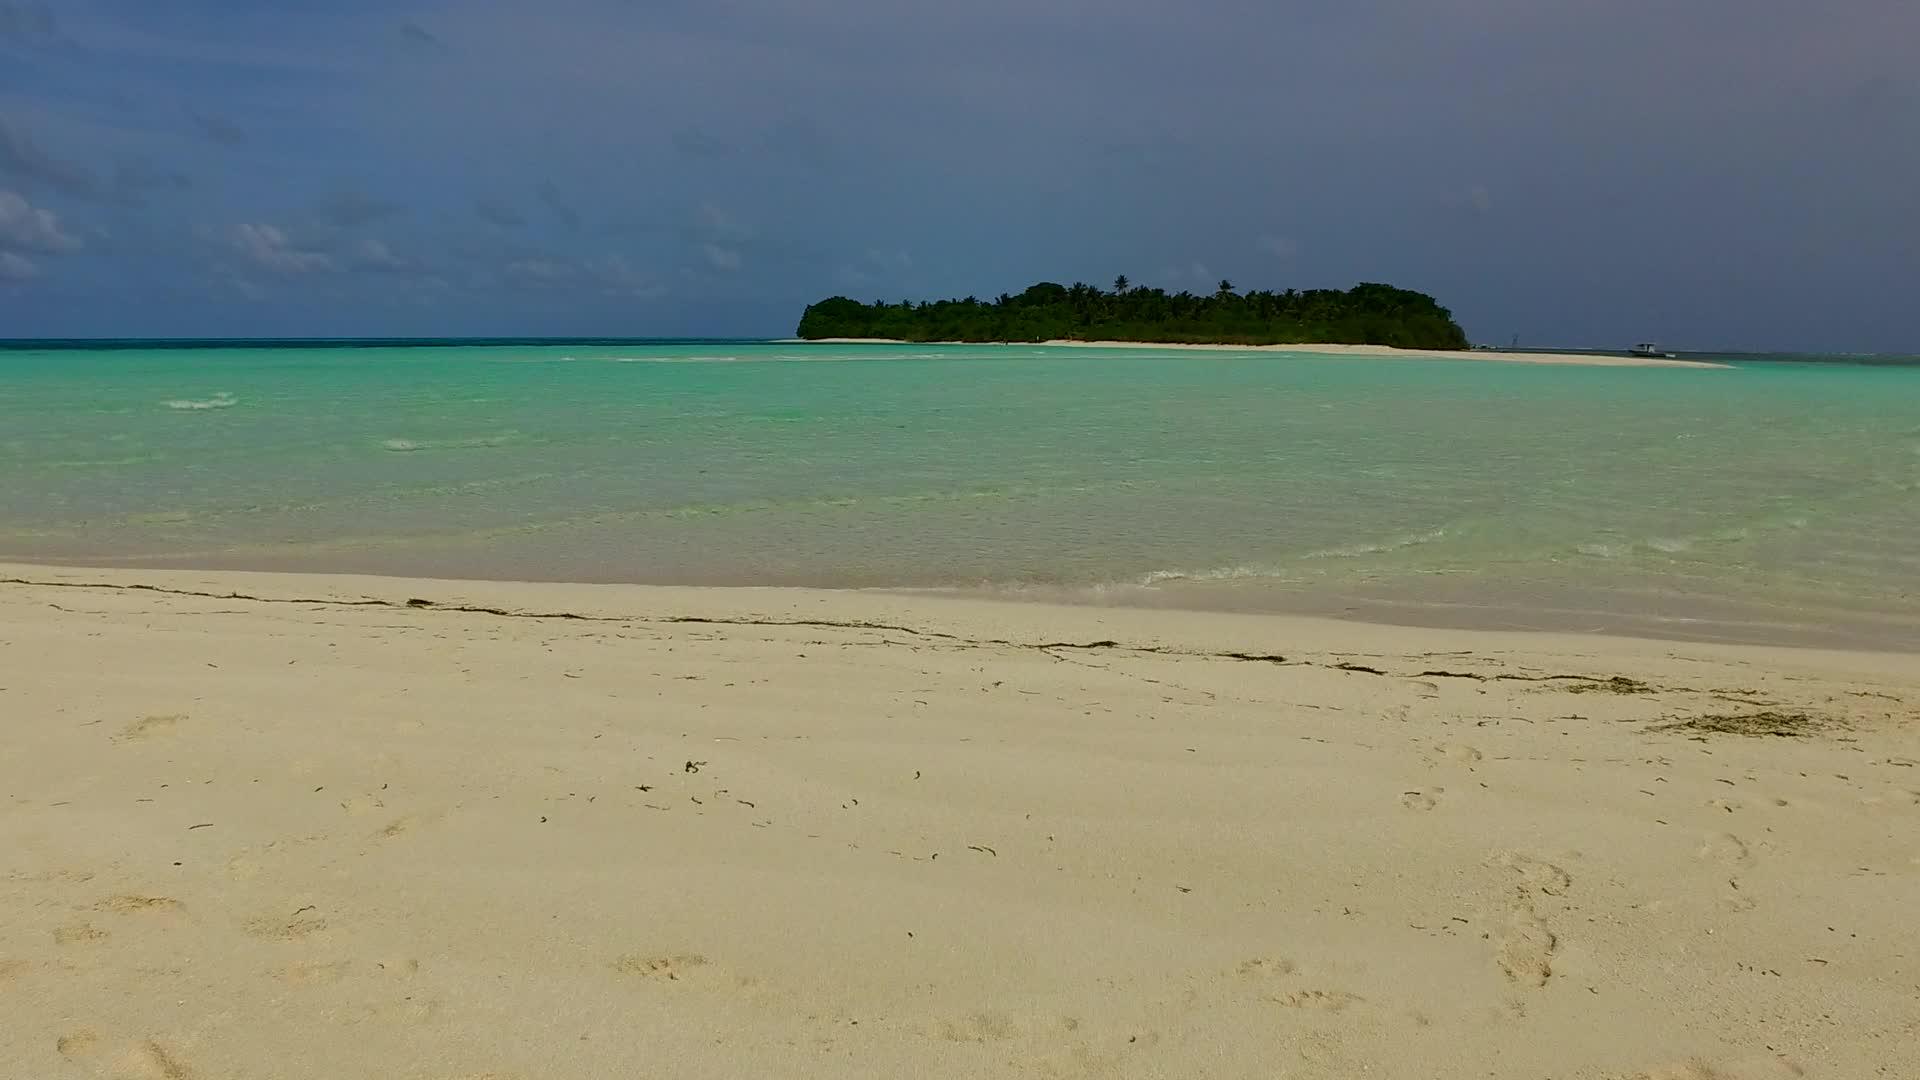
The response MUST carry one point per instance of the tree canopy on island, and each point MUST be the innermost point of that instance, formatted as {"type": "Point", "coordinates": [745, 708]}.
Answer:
{"type": "Point", "coordinates": [1367, 314]}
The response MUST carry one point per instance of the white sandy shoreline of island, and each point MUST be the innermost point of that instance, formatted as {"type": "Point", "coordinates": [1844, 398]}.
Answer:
{"type": "Point", "coordinates": [1388, 351]}
{"type": "Point", "coordinates": [309, 826]}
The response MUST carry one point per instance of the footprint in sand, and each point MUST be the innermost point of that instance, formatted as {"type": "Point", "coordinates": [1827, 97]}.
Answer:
{"type": "Point", "coordinates": [397, 827]}
{"type": "Point", "coordinates": [275, 929]}
{"type": "Point", "coordinates": [1261, 969]}
{"type": "Point", "coordinates": [672, 968]}
{"type": "Point", "coordinates": [129, 903]}
{"type": "Point", "coordinates": [314, 972]}
{"type": "Point", "coordinates": [1425, 799]}
{"type": "Point", "coordinates": [1726, 849]}
{"type": "Point", "coordinates": [1265, 967]}
{"type": "Point", "coordinates": [999, 1026]}
{"type": "Point", "coordinates": [303, 922]}
{"type": "Point", "coordinates": [1537, 876]}
{"type": "Point", "coordinates": [78, 934]}
{"type": "Point", "coordinates": [692, 973]}
{"type": "Point", "coordinates": [403, 825]}
{"type": "Point", "coordinates": [152, 1061]}
{"type": "Point", "coordinates": [148, 727]}
{"type": "Point", "coordinates": [1319, 1000]}
{"type": "Point", "coordinates": [1459, 753]}
{"type": "Point", "coordinates": [76, 1044]}
{"type": "Point", "coordinates": [1526, 949]}
{"type": "Point", "coordinates": [1322, 1049]}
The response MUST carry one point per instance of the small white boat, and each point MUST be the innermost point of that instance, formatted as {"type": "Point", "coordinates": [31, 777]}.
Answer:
{"type": "Point", "coordinates": [1649, 349]}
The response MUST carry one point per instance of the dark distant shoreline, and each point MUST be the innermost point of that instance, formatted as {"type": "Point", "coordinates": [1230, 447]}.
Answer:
{"type": "Point", "coordinates": [354, 342]}
{"type": "Point", "coordinates": [1714, 356]}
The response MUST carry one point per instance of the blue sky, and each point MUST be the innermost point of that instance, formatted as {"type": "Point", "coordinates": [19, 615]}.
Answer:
{"type": "Point", "coordinates": [1737, 173]}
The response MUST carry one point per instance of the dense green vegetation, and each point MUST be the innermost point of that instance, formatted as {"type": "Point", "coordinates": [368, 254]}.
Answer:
{"type": "Point", "coordinates": [1367, 314]}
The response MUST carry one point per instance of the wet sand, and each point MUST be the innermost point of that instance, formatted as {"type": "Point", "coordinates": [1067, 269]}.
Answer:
{"type": "Point", "coordinates": [1581, 359]}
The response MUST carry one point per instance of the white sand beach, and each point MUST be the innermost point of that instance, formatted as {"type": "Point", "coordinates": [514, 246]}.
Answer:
{"type": "Point", "coordinates": [1584, 359]}
{"type": "Point", "coordinates": [331, 827]}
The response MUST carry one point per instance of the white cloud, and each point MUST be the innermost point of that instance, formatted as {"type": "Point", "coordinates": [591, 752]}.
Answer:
{"type": "Point", "coordinates": [611, 275]}
{"type": "Point", "coordinates": [374, 254]}
{"type": "Point", "coordinates": [247, 289]}
{"type": "Point", "coordinates": [722, 224]}
{"type": "Point", "coordinates": [16, 267]}
{"type": "Point", "coordinates": [270, 248]}
{"type": "Point", "coordinates": [719, 237]}
{"type": "Point", "coordinates": [617, 278]}
{"type": "Point", "coordinates": [877, 267]}
{"type": "Point", "coordinates": [24, 227]}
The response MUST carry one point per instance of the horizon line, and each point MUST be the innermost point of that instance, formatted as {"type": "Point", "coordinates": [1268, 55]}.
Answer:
{"type": "Point", "coordinates": [612, 339]}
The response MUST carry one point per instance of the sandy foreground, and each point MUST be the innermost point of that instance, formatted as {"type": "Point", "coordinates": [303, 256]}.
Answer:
{"type": "Point", "coordinates": [607, 831]}
{"type": "Point", "coordinates": [1579, 359]}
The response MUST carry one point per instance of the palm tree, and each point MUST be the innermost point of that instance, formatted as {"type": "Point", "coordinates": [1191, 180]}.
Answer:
{"type": "Point", "coordinates": [1226, 287]}
{"type": "Point", "coordinates": [1120, 284]}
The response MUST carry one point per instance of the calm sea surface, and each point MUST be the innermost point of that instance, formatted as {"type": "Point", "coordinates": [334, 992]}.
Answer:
{"type": "Point", "coordinates": [1771, 501]}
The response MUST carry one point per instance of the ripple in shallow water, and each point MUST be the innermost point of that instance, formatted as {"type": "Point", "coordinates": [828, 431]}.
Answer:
{"type": "Point", "coordinates": [221, 400]}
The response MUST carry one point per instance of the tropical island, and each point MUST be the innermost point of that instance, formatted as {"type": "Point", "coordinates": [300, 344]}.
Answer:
{"type": "Point", "coordinates": [1367, 314]}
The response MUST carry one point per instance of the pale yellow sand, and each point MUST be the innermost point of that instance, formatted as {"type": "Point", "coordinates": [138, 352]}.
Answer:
{"type": "Point", "coordinates": [1343, 350]}
{"type": "Point", "coordinates": [889, 837]}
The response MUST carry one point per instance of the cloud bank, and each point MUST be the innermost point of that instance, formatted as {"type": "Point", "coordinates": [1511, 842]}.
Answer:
{"type": "Point", "coordinates": [1724, 172]}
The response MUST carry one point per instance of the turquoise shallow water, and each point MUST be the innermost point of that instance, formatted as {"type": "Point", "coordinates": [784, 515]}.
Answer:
{"type": "Point", "coordinates": [1765, 502]}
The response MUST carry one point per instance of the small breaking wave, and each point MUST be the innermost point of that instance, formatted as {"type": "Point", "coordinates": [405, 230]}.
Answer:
{"type": "Point", "coordinates": [1221, 573]}
{"type": "Point", "coordinates": [220, 400]}
{"type": "Point", "coordinates": [1669, 545]}
{"type": "Point", "coordinates": [1356, 551]}
{"type": "Point", "coordinates": [479, 442]}
{"type": "Point", "coordinates": [1242, 571]}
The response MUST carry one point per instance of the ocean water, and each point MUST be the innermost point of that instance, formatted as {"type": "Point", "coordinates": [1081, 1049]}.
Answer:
{"type": "Point", "coordinates": [1766, 502]}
